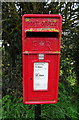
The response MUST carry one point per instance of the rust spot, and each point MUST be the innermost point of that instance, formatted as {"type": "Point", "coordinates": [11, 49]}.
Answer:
{"type": "Point", "coordinates": [27, 19]}
{"type": "Point", "coordinates": [57, 52]}
{"type": "Point", "coordinates": [54, 21]}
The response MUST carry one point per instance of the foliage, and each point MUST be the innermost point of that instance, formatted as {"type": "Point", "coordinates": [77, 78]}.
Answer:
{"type": "Point", "coordinates": [10, 75]}
{"type": "Point", "coordinates": [64, 109]}
{"type": "Point", "coordinates": [14, 108]}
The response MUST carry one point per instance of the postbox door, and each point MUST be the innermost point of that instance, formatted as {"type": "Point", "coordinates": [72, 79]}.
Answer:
{"type": "Point", "coordinates": [46, 87]}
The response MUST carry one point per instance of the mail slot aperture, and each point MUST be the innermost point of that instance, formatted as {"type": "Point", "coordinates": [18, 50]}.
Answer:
{"type": "Point", "coordinates": [42, 34]}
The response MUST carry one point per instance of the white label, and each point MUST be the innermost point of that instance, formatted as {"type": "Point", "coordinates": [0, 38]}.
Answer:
{"type": "Point", "coordinates": [40, 76]}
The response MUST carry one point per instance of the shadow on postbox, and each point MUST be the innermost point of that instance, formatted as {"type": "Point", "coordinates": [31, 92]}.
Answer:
{"type": "Point", "coordinates": [41, 37]}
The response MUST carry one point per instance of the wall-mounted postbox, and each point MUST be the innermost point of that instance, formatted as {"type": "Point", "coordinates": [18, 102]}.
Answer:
{"type": "Point", "coordinates": [41, 37]}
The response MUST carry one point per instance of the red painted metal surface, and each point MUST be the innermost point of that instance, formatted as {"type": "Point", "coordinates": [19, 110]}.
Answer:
{"type": "Point", "coordinates": [41, 35]}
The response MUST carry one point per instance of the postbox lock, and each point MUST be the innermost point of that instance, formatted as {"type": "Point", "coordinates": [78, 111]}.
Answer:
{"type": "Point", "coordinates": [41, 56]}
{"type": "Point", "coordinates": [30, 78]}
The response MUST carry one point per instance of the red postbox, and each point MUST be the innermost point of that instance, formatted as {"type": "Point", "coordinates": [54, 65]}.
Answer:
{"type": "Point", "coordinates": [41, 38]}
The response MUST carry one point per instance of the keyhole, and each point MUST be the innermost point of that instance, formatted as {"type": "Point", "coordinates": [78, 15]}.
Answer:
{"type": "Point", "coordinates": [31, 78]}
